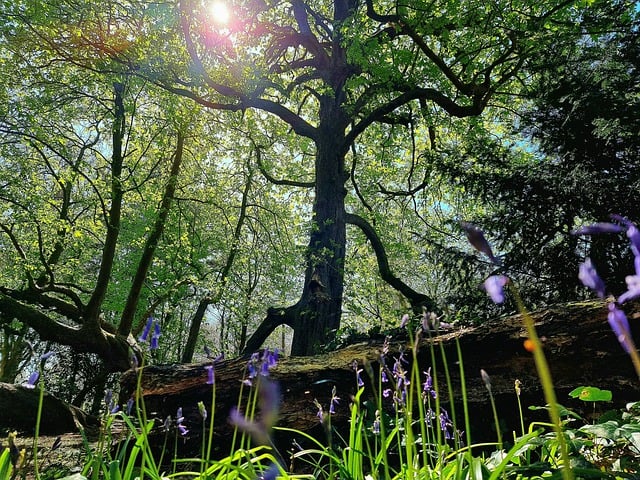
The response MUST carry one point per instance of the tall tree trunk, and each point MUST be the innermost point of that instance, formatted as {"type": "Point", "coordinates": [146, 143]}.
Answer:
{"type": "Point", "coordinates": [320, 308]}
{"type": "Point", "coordinates": [318, 311]}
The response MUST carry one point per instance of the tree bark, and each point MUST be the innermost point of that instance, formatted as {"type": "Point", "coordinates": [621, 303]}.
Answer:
{"type": "Point", "coordinates": [578, 343]}
{"type": "Point", "coordinates": [19, 406]}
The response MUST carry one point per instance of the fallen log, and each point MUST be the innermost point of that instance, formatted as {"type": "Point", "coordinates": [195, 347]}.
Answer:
{"type": "Point", "coordinates": [578, 343]}
{"type": "Point", "coordinates": [19, 407]}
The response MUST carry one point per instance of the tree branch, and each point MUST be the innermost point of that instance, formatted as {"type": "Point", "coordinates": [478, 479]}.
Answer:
{"type": "Point", "coordinates": [128, 313]}
{"type": "Point", "coordinates": [115, 210]}
{"type": "Point", "coordinates": [418, 300]}
{"type": "Point", "coordinates": [417, 93]}
{"type": "Point", "coordinates": [275, 181]}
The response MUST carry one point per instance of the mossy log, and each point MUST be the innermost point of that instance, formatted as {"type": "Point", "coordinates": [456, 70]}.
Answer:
{"type": "Point", "coordinates": [578, 343]}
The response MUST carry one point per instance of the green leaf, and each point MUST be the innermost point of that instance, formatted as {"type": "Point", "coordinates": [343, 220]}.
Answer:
{"type": "Point", "coordinates": [591, 394]}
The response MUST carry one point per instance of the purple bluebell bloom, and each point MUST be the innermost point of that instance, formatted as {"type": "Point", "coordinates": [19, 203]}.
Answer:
{"type": "Point", "coordinates": [133, 359]}
{"type": "Point", "coordinates": [130, 403]}
{"type": "Point", "coordinates": [155, 337]}
{"type": "Point", "coordinates": [334, 400]}
{"type": "Point", "coordinates": [33, 379]}
{"type": "Point", "coordinates": [112, 407]}
{"type": "Point", "coordinates": [427, 386]}
{"type": "Point", "coordinates": [478, 241]}
{"type": "Point", "coordinates": [633, 289]}
{"type": "Point", "coordinates": [494, 286]}
{"type": "Point", "coordinates": [45, 356]}
{"type": "Point", "coordinates": [320, 412]}
{"type": "Point", "coordinates": [620, 326]}
{"type": "Point", "coordinates": [147, 329]}
{"type": "Point", "coordinates": [375, 428]}
{"type": "Point", "coordinates": [269, 402]}
{"type": "Point", "coordinates": [270, 473]}
{"type": "Point", "coordinates": [445, 424]}
{"type": "Point", "coordinates": [634, 237]}
{"type": "Point", "coordinates": [354, 366]}
{"type": "Point", "coordinates": [590, 278]}
{"type": "Point", "coordinates": [211, 379]}
{"type": "Point", "coordinates": [179, 419]}
{"type": "Point", "coordinates": [600, 227]}
{"type": "Point", "coordinates": [404, 320]}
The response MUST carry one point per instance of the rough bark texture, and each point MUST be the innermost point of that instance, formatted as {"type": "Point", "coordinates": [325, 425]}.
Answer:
{"type": "Point", "coordinates": [579, 346]}
{"type": "Point", "coordinates": [19, 406]}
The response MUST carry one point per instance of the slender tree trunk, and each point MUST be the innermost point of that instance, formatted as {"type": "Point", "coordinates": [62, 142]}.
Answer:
{"type": "Point", "coordinates": [196, 321]}
{"type": "Point", "coordinates": [194, 329]}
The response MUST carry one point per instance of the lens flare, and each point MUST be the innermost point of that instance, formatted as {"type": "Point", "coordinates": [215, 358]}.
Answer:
{"type": "Point", "coordinates": [219, 12]}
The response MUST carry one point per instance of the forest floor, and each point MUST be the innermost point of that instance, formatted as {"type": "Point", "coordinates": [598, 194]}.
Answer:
{"type": "Point", "coordinates": [56, 458]}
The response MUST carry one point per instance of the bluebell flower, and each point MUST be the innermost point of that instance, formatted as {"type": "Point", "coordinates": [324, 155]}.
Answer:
{"type": "Point", "coordinates": [269, 403]}
{"type": "Point", "coordinates": [633, 289]}
{"type": "Point", "coordinates": [404, 320]}
{"type": "Point", "coordinates": [179, 423]}
{"type": "Point", "coordinates": [359, 381]}
{"type": "Point", "coordinates": [600, 227]}
{"type": "Point", "coordinates": [478, 241]}
{"type": "Point", "coordinates": [133, 359]}
{"type": "Point", "coordinates": [334, 400]}
{"type": "Point", "coordinates": [130, 403]}
{"type": "Point", "coordinates": [211, 379]}
{"type": "Point", "coordinates": [270, 473]}
{"type": "Point", "coordinates": [320, 412]}
{"type": "Point", "coordinates": [112, 407]}
{"type": "Point", "coordinates": [590, 278]}
{"type": "Point", "coordinates": [32, 380]}
{"type": "Point", "coordinates": [45, 356]}
{"type": "Point", "coordinates": [445, 424]}
{"type": "Point", "coordinates": [620, 326]}
{"type": "Point", "coordinates": [427, 386]}
{"type": "Point", "coordinates": [494, 286]}
{"type": "Point", "coordinates": [375, 428]}
{"type": "Point", "coordinates": [166, 425]}
{"type": "Point", "coordinates": [155, 337]}
{"type": "Point", "coordinates": [147, 329]}
{"type": "Point", "coordinates": [634, 237]}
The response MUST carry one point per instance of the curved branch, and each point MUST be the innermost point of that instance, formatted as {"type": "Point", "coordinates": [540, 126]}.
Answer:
{"type": "Point", "coordinates": [70, 311]}
{"type": "Point", "coordinates": [418, 93]}
{"type": "Point", "coordinates": [113, 349]}
{"type": "Point", "coordinates": [275, 181]}
{"type": "Point", "coordinates": [373, 15]}
{"type": "Point", "coordinates": [418, 300]}
{"type": "Point", "coordinates": [275, 317]}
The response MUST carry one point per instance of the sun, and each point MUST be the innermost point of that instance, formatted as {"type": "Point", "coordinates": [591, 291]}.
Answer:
{"type": "Point", "coordinates": [219, 12]}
